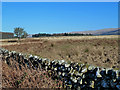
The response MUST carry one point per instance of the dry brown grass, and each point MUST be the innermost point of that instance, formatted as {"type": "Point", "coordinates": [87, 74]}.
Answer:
{"type": "Point", "coordinates": [5, 41]}
{"type": "Point", "coordinates": [96, 50]}
{"type": "Point", "coordinates": [15, 77]}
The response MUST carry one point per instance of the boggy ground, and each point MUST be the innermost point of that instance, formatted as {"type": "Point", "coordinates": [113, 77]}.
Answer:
{"type": "Point", "coordinates": [102, 52]}
{"type": "Point", "coordinates": [18, 76]}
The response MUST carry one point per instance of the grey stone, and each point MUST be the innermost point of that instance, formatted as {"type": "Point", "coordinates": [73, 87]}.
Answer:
{"type": "Point", "coordinates": [104, 84]}
{"type": "Point", "coordinates": [118, 87]}
{"type": "Point", "coordinates": [67, 65]}
{"type": "Point", "coordinates": [98, 73]}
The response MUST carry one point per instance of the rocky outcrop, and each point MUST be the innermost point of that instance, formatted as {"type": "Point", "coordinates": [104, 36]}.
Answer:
{"type": "Point", "coordinates": [74, 75]}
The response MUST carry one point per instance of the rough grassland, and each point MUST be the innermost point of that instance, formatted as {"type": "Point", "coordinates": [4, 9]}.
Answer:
{"type": "Point", "coordinates": [96, 50]}
{"type": "Point", "coordinates": [18, 76]}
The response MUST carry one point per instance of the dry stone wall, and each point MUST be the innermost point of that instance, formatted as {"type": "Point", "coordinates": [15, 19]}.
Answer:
{"type": "Point", "coordinates": [73, 75]}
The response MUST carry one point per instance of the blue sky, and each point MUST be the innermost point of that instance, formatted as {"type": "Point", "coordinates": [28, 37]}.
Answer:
{"type": "Point", "coordinates": [58, 17]}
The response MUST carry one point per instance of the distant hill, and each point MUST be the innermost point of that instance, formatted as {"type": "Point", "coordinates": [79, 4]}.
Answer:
{"type": "Point", "coordinates": [107, 31]}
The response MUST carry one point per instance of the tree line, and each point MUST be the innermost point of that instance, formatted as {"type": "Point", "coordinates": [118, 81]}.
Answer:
{"type": "Point", "coordinates": [62, 34]}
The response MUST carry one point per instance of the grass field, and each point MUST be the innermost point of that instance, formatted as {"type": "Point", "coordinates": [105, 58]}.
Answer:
{"type": "Point", "coordinates": [95, 50]}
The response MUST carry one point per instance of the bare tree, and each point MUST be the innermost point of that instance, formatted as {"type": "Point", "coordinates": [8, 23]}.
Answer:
{"type": "Point", "coordinates": [19, 32]}
{"type": "Point", "coordinates": [25, 34]}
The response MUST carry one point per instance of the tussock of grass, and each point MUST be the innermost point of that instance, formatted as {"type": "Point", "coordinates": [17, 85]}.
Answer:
{"type": "Point", "coordinates": [86, 50]}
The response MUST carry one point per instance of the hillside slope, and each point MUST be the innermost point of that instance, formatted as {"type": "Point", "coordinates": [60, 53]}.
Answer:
{"type": "Point", "coordinates": [107, 31]}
